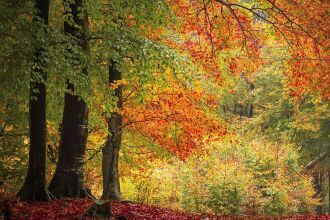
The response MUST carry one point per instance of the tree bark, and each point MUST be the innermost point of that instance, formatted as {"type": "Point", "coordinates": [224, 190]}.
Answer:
{"type": "Point", "coordinates": [316, 161]}
{"type": "Point", "coordinates": [110, 151]}
{"type": "Point", "coordinates": [328, 188]}
{"type": "Point", "coordinates": [34, 188]}
{"type": "Point", "coordinates": [250, 113]}
{"type": "Point", "coordinates": [99, 210]}
{"type": "Point", "coordinates": [318, 179]}
{"type": "Point", "coordinates": [68, 178]}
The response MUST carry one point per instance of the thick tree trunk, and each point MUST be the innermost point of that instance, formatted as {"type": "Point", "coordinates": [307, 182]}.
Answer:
{"type": "Point", "coordinates": [68, 177]}
{"type": "Point", "coordinates": [110, 152]}
{"type": "Point", "coordinates": [34, 188]}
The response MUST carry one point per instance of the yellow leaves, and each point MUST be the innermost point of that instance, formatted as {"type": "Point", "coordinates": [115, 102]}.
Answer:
{"type": "Point", "coordinates": [9, 128]}
{"type": "Point", "coordinates": [168, 72]}
{"type": "Point", "coordinates": [257, 170]}
{"type": "Point", "coordinates": [97, 138]}
{"type": "Point", "coordinates": [26, 141]}
{"type": "Point", "coordinates": [51, 128]}
{"type": "Point", "coordinates": [310, 120]}
{"type": "Point", "coordinates": [304, 123]}
{"type": "Point", "coordinates": [118, 83]}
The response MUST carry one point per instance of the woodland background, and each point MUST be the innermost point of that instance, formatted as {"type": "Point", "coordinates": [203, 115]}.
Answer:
{"type": "Point", "coordinates": [205, 106]}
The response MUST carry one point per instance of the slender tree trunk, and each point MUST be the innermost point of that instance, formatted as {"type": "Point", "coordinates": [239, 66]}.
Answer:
{"type": "Point", "coordinates": [68, 177]}
{"type": "Point", "coordinates": [318, 179]}
{"type": "Point", "coordinates": [110, 151]}
{"type": "Point", "coordinates": [328, 188]}
{"type": "Point", "coordinates": [250, 113]}
{"type": "Point", "coordinates": [34, 188]}
{"type": "Point", "coordinates": [110, 155]}
{"type": "Point", "coordinates": [251, 89]}
{"type": "Point", "coordinates": [235, 106]}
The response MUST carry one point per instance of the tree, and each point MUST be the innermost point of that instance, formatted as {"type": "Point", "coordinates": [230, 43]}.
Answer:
{"type": "Point", "coordinates": [110, 151]}
{"type": "Point", "coordinates": [34, 188]}
{"type": "Point", "coordinates": [216, 25]}
{"type": "Point", "coordinates": [123, 32]}
{"type": "Point", "coordinates": [178, 119]}
{"type": "Point", "coordinates": [68, 177]}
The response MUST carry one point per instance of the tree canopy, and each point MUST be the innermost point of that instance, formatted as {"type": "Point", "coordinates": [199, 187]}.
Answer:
{"type": "Point", "coordinates": [207, 106]}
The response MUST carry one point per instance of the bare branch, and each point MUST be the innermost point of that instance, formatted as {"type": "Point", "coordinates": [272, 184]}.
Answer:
{"type": "Point", "coordinates": [316, 161]}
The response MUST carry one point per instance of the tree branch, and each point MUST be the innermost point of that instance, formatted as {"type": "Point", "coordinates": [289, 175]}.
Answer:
{"type": "Point", "coordinates": [316, 161]}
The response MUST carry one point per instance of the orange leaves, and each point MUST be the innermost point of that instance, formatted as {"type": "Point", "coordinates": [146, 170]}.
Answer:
{"type": "Point", "coordinates": [310, 75]}
{"type": "Point", "coordinates": [198, 33]}
{"type": "Point", "coordinates": [309, 42]}
{"type": "Point", "coordinates": [176, 121]}
{"type": "Point", "coordinates": [211, 29]}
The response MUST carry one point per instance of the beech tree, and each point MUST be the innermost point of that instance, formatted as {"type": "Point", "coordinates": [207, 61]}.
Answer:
{"type": "Point", "coordinates": [34, 188]}
{"type": "Point", "coordinates": [68, 178]}
{"type": "Point", "coordinates": [190, 70]}
{"type": "Point", "coordinates": [110, 151]}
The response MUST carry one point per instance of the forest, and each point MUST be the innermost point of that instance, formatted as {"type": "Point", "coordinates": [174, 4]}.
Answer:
{"type": "Point", "coordinates": [164, 109]}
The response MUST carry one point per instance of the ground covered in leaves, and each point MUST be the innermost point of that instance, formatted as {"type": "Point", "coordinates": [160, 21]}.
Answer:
{"type": "Point", "coordinates": [75, 209]}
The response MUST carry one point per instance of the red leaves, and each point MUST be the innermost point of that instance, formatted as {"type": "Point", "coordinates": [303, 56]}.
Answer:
{"type": "Point", "coordinates": [75, 209]}
{"type": "Point", "coordinates": [57, 209]}
{"type": "Point", "coordinates": [309, 76]}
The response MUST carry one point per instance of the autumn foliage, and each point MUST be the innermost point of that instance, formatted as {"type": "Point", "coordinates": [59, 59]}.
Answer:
{"type": "Point", "coordinates": [75, 209]}
{"type": "Point", "coordinates": [191, 109]}
{"type": "Point", "coordinates": [174, 119]}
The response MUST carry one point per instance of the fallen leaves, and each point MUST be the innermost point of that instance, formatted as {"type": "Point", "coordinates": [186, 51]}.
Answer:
{"type": "Point", "coordinates": [75, 209]}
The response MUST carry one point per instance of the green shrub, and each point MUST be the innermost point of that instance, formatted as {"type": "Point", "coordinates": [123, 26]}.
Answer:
{"type": "Point", "coordinates": [233, 178]}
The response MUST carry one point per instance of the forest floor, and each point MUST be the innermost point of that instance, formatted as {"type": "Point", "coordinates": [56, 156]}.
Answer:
{"type": "Point", "coordinates": [76, 208]}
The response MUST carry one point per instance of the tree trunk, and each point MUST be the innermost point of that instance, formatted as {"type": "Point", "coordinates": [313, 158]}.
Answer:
{"type": "Point", "coordinates": [68, 177]}
{"type": "Point", "coordinates": [235, 106]}
{"type": "Point", "coordinates": [328, 190]}
{"type": "Point", "coordinates": [110, 152]}
{"type": "Point", "coordinates": [250, 113]}
{"type": "Point", "coordinates": [99, 210]}
{"type": "Point", "coordinates": [224, 109]}
{"type": "Point", "coordinates": [318, 179]}
{"type": "Point", "coordinates": [34, 188]}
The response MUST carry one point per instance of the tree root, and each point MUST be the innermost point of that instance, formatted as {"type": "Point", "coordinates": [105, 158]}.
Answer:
{"type": "Point", "coordinates": [100, 209]}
